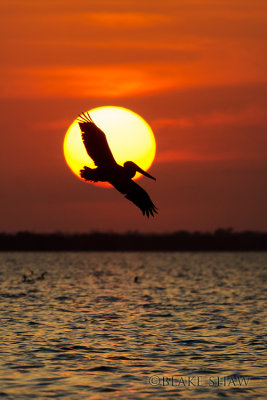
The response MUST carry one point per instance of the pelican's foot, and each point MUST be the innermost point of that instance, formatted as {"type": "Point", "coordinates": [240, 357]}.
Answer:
{"type": "Point", "coordinates": [88, 174]}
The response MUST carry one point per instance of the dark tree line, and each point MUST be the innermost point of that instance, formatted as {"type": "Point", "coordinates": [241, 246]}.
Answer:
{"type": "Point", "coordinates": [220, 240]}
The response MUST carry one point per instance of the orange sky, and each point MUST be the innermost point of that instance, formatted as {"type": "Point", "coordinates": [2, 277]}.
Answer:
{"type": "Point", "coordinates": [194, 69]}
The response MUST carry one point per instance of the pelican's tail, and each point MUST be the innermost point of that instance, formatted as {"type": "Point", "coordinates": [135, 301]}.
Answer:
{"type": "Point", "coordinates": [89, 174]}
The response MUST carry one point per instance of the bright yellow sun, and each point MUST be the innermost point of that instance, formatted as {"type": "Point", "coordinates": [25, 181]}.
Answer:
{"type": "Point", "coordinates": [129, 136]}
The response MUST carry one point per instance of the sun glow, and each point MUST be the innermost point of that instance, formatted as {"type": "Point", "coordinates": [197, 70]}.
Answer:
{"type": "Point", "coordinates": [129, 136]}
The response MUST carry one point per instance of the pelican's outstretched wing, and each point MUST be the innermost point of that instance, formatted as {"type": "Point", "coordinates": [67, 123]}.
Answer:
{"type": "Point", "coordinates": [138, 196]}
{"type": "Point", "coordinates": [95, 141]}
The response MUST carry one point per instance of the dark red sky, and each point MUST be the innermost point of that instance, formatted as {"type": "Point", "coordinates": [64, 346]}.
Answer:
{"type": "Point", "coordinates": [195, 70]}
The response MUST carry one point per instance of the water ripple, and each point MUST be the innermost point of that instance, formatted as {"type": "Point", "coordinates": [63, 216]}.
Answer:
{"type": "Point", "coordinates": [90, 329]}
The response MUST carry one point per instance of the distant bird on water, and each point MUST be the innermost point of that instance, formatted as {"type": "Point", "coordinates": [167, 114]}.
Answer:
{"type": "Point", "coordinates": [42, 276]}
{"type": "Point", "coordinates": [108, 170]}
{"type": "Point", "coordinates": [32, 279]}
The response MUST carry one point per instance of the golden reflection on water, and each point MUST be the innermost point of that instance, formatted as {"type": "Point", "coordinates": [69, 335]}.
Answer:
{"type": "Point", "coordinates": [88, 330]}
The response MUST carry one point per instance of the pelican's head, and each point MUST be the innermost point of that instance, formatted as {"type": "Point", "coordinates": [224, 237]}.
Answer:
{"type": "Point", "coordinates": [133, 168]}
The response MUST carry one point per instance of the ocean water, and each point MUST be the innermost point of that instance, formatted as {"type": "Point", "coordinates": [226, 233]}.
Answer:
{"type": "Point", "coordinates": [133, 326]}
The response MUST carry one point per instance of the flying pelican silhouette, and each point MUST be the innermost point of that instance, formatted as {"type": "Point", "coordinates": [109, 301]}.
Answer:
{"type": "Point", "coordinates": [108, 170]}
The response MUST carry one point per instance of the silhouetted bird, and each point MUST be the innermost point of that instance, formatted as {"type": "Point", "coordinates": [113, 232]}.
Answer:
{"type": "Point", "coordinates": [32, 279]}
{"type": "Point", "coordinates": [108, 170]}
{"type": "Point", "coordinates": [41, 277]}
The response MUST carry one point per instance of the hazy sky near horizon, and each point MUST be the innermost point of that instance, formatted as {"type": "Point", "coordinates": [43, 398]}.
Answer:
{"type": "Point", "coordinates": [194, 70]}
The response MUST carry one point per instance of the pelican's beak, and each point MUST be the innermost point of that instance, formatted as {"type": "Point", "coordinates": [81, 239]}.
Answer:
{"type": "Point", "coordinates": [144, 173]}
